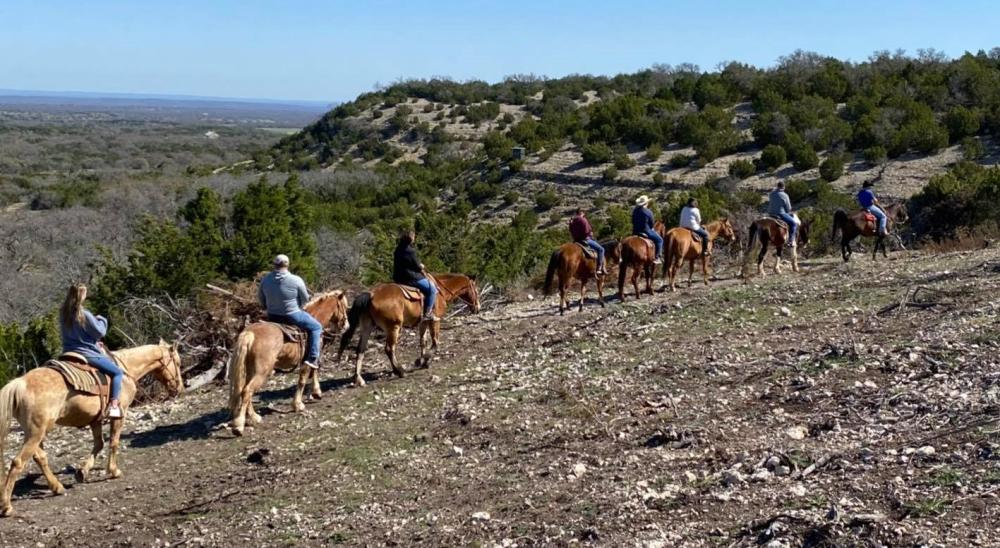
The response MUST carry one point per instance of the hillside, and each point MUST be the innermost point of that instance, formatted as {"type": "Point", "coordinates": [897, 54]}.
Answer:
{"type": "Point", "coordinates": [794, 410]}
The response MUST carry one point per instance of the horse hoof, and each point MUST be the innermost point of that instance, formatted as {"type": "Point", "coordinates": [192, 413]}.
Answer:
{"type": "Point", "coordinates": [237, 431]}
{"type": "Point", "coordinates": [80, 476]}
{"type": "Point", "coordinates": [59, 491]}
{"type": "Point", "coordinates": [317, 396]}
{"type": "Point", "coordinates": [256, 419]}
{"type": "Point", "coordinates": [359, 382]}
{"type": "Point", "coordinates": [115, 475]}
{"type": "Point", "coordinates": [399, 373]}
{"type": "Point", "coordinates": [299, 407]}
{"type": "Point", "coordinates": [7, 512]}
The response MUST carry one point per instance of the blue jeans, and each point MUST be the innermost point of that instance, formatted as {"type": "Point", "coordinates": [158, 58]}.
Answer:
{"type": "Point", "coordinates": [657, 240]}
{"type": "Point", "coordinates": [109, 367]}
{"type": "Point", "coordinates": [792, 225]}
{"type": "Point", "coordinates": [880, 215]}
{"type": "Point", "coordinates": [303, 320]}
{"type": "Point", "coordinates": [430, 293]}
{"type": "Point", "coordinates": [592, 244]}
{"type": "Point", "coordinates": [704, 239]}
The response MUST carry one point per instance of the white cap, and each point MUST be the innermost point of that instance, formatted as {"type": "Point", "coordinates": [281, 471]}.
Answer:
{"type": "Point", "coordinates": [281, 260]}
{"type": "Point", "coordinates": [642, 200]}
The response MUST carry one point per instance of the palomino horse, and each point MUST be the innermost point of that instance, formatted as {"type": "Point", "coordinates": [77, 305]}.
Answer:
{"type": "Point", "coordinates": [679, 246]}
{"type": "Point", "coordinates": [570, 263]}
{"type": "Point", "coordinates": [638, 253]}
{"type": "Point", "coordinates": [772, 231]}
{"type": "Point", "coordinates": [854, 225]}
{"type": "Point", "coordinates": [41, 399]}
{"type": "Point", "coordinates": [261, 348]}
{"type": "Point", "coordinates": [389, 308]}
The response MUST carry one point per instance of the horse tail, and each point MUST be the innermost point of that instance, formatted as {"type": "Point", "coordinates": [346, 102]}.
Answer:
{"type": "Point", "coordinates": [359, 307]}
{"type": "Point", "coordinates": [238, 370]}
{"type": "Point", "coordinates": [839, 221]}
{"type": "Point", "coordinates": [10, 395]}
{"type": "Point", "coordinates": [551, 271]}
{"type": "Point", "coordinates": [668, 255]}
{"type": "Point", "coordinates": [751, 237]}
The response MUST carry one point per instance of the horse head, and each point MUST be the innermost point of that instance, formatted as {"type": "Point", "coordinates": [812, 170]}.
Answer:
{"type": "Point", "coordinates": [471, 295]}
{"type": "Point", "coordinates": [898, 212]}
{"type": "Point", "coordinates": [169, 371]}
{"type": "Point", "coordinates": [329, 309]}
{"type": "Point", "coordinates": [612, 252]}
{"type": "Point", "coordinates": [802, 236]}
{"type": "Point", "coordinates": [726, 230]}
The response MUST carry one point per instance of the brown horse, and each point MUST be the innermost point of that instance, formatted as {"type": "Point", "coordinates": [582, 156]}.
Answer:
{"type": "Point", "coordinates": [41, 399]}
{"type": "Point", "coordinates": [570, 263]}
{"type": "Point", "coordinates": [638, 253]}
{"type": "Point", "coordinates": [854, 225]}
{"type": "Point", "coordinates": [261, 348]}
{"type": "Point", "coordinates": [772, 231]}
{"type": "Point", "coordinates": [388, 307]}
{"type": "Point", "coordinates": [679, 246]}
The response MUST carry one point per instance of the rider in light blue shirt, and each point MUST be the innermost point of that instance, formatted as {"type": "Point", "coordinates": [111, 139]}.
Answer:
{"type": "Point", "coordinates": [283, 295]}
{"type": "Point", "coordinates": [780, 206]}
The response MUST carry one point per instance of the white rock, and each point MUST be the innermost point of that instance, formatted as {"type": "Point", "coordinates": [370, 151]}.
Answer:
{"type": "Point", "coordinates": [731, 477]}
{"type": "Point", "coordinates": [457, 451]}
{"type": "Point", "coordinates": [798, 490]}
{"type": "Point", "coordinates": [926, 451]}
{"type": "Point", "coordinates": [481, 516]}
{"type": "Point", "coordinates": [797, 432]}
{"type": "Point", "coordinates": [760, 475]}
{"type": "Point", "coordinates": [579, 469]}
{"type": "Point", "coordinates": [690, 476]}
{"type": "Point", "coordinates": [782, 470]}
{"type": "Point", "coordinates": [785, 311]}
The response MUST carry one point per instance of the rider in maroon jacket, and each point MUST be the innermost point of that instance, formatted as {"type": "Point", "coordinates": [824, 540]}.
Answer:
{"type": "Point", "coordinates": [580, 229]}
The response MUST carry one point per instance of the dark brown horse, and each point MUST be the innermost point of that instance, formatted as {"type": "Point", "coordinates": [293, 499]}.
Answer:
{"type": "Point", "coordinates": [769, 230]}
{"type": "Point", "coordinates": [390, 307]}
{"type": "Point", "coordinates": [570, 263]}
{"type": "Point", "coordinates": [680, 246]}
{"type": "Point", "coordinates": [857, 224]}
{"type": "Point", "coordinates": [638, 253]}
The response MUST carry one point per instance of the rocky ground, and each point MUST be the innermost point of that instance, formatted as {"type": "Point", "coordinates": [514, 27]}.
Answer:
{"type": "Point", "coordinates": [844, 406]}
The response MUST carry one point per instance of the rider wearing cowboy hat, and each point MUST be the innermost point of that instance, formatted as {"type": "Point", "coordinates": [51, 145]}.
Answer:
{"type": "Point", "coordinates": [642, 225]}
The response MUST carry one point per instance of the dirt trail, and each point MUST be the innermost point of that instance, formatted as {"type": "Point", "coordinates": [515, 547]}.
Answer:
{"type": "Point", "coordinates": [781, 412]}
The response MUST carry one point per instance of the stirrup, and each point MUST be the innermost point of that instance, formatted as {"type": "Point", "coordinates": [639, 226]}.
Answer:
{"type": "Point", "coordinates": [114, 410]}
{"type": "Point", "coordinates": [430, 317]}
{"type": "Point", "coordinates": [311, 364]}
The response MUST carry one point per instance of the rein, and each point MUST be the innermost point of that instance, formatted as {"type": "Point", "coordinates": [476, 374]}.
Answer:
{"type": "Point", "coordinates": [441, 285]}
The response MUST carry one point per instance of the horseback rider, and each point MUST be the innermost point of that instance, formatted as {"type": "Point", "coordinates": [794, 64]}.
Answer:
{"type": "Point", "coordinates": [82, 333]}
{"type": "Point", "coordinates": [583, 233]}
{"type": "Point", "coordinates": [283, 295]}
{"type": "Point", "coordinates": [780, 206]}
{"type": "Point", "coordinates": [408, 270]}
{"type": "Point", "coordinates": [869, 203]}
{"type": "Point", "coordinates": [642, 225]}
{"type": "Point", "coordinates": [691, 220]}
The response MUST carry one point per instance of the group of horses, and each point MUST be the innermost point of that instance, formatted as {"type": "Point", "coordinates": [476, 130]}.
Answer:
{"type": "Point", "coordinates": [636, 254]}
{"type": "Point", "coordinates": [42, 398]}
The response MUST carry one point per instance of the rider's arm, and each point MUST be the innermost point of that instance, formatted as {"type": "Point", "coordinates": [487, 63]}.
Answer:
{"type": "Point", "coordinates": [96, 326]}
{"type": "Point", "coordinates": [303, 293]}
{"type": "Point", "coordinates": [261, 298]}
{"type": "Point", "coordinates": [787, 201]}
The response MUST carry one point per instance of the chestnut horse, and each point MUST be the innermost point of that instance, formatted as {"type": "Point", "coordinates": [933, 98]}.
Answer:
{"type": "Point", "coordinates": [41, 399]}
{"type": "Point", "coordinates": [638, 253]}
{"type": "Point", "coordinates": [570, 263]}
{"type": "Point", "coordinates": [854, 225]}
{"type": "Point", "coordinates": [261, 348]}
{"type": "Point", "coordinates": [772, 231]}
{"type": "Point", "coordinates": [388, 307]}
{"type": "Point", "coordinates": [679, 246]}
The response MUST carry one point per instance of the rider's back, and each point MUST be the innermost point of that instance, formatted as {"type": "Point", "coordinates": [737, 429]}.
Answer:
{"type": "Point", "coordinates": [778, 203]}
{"type": "Point", "coordinates": [283, 293]}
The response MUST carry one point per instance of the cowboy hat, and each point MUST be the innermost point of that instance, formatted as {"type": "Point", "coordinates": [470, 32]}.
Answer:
{"type": "Point", "coordinates": [642, 200]}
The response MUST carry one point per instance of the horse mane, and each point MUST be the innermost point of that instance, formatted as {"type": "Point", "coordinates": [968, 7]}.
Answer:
{"type": "Point", "coordinates": [320, 296]}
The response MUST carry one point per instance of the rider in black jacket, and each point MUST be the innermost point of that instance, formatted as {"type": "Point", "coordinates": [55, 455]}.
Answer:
{"type": "Point", "coordinates": [407, 270]}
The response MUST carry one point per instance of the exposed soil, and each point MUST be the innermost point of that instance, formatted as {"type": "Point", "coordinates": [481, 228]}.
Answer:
{"type": "Point", "coordinates": [783, 412]}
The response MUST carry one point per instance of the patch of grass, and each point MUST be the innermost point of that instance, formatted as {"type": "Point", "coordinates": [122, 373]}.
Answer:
{"type": "Point", "coordinates": [946, 477]}
{"type": "Point", "coordinates": [927, 507]}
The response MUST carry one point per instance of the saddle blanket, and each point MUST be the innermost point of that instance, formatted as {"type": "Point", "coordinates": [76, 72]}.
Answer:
{"type": "Point", "coordinates": [869, 218]}
{"type": "Point", "coordinates": [80, 376]}
{"type": "Point", "coordinates": [694, 235]}
{"type": "Point", "coordinates": [588, 252]}
{"type": "Point", "coordinates": [290, 332]}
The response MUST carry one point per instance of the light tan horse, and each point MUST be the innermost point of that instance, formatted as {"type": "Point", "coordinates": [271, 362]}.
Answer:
{"type": "Point", "coordinates": [679, 246]}
{"type": "Point", "coordinates": [40, 399]}
{"type": "Point", "coordinates": [261, 348]}
{"type": "Point", "coordinates": [387, 307]}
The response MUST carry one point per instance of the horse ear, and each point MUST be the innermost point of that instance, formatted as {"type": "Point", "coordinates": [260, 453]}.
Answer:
{"type": "Point", "coordinates": [163, 342]}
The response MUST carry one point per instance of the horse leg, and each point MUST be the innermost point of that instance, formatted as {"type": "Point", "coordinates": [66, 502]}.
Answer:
{"type": "Point", "coordinates": [97, 430]}
{"type": "Point", "coordinates": [649, 271]}
{"type": "Point", "coordinates": [435, 330]}
{"type": "Point", "coordinates": [583, 294]}
{"type": "Point", "coordinates": [391, 339]}
{"type": "Point", "coordinates": [690, 272]}
{"type": "Point", "coordinates": [777, 259]}
{"type": "Point", "coordinates": [600, 290]}
{"type": "Point", "coordinates": [795, 258]}
{"type": "Point", "coordinates": [42, 460]}
{"type": "Point", "coordinates": [317, 392]}
{"type": "Point", "coordinates": [366, 330]}
{"type": "Point", "coordinates": [704, 268]}
{"type": "Point", "coordinates": [300, 387]}
{"type": "Point", "coordinates": [760, 257]}
{"type": "Point", "coordinates": [32, 441]}
{"type": "Point", "coordinates": [116, 433]}
{"type": "Point", "coordinates": [562, 297]}
{"type": "Point", "coordinates": [246, 402]}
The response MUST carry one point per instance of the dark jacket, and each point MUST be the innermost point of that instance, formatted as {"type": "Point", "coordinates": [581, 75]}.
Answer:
{"type": "Point", "coordinates": [406, 266]}
{"type": "Point", "coordinates": [579, 228]}
{"type": "Point", "coordinates": [642, 220]}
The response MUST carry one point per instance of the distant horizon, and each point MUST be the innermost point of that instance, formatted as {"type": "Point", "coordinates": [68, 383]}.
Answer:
{"type": "Point", "coordinates": [328, 51]}
{"type": "Point", "coordinates": [125, 95]}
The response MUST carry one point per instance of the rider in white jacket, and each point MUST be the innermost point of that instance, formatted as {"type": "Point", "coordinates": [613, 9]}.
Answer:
{"type": "Point", "coordinates": [691, 220]}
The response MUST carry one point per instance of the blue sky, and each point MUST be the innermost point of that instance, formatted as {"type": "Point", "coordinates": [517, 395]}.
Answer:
{"type": "Point", "coordinates": [333, 50]}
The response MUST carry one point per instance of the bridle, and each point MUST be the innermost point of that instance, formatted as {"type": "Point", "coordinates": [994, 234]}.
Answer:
{"type": "Point", "coordinates": [167, 371]}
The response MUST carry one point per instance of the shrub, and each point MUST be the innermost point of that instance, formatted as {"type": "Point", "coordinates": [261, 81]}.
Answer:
{"type": "Point", "coordinates": [511, 198]}
{"type": "Point", "coordinates": [875, 155]}
{"type": "Point", "coordinates": [623, 161]}
{"type": "Point", "coordinates": [772, 157]}
{"type": "Point", "coordinates": [832, 168]}
{"type": "Point", "coordinates": [429, 107]}
{"type": "Point", "coordinates": [658, 178]}
{"type": "Point", "coordinates": [610, 173]}
{"type": "Point", "coordinates": [797, 190]}
{"type": "Point", "coordinates": [742, 168]}
{"type": "Point", "coordinates": [653, 152]}
{"type": "Point", "coordinates": [516, 166]}
{"type": "Point", "coordinates": [972, 149]}
{"type": "Point", "coordinates": [801, 153]}
{"type": "Point", "coordinates": [680, 160]}
{"type": "Point", "coordinates": [596, 153]}
{"type": "Point", "coordinates": [966, 197]}
{"type": "Point", "coordinates": [961, 122]}
{"type": "Point", "coordinates": [376, 114]}
{"type": "Point", "coordinates": [546, 199]}
{"type": "Point", "coordinates": [481, 191]}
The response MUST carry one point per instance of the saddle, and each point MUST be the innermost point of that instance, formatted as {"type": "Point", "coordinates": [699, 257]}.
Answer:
{"type": "Point", "coordinates": [83, 377]}
{"type": "Point", "coordinates": [868, 217]}
{"type": "Point", "coordinates": [291, 333]}
{"type": "Point", "coordinates": [694, 235]}
{"type": "Point", "coordinates": [588, 252]}
{"type": "Point", "coordinates": [410, 293]}
{"type": "Point", "coordinates": [781, 222]}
